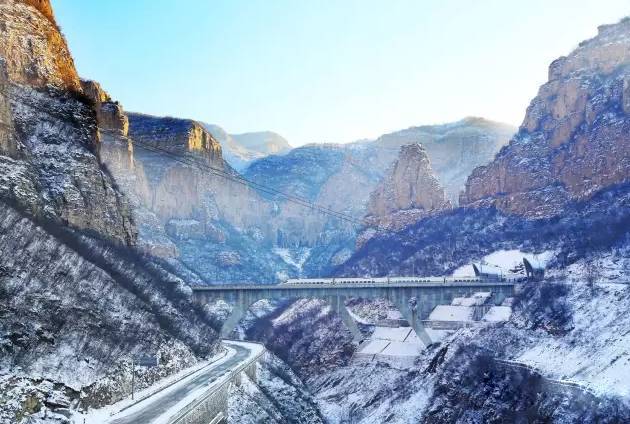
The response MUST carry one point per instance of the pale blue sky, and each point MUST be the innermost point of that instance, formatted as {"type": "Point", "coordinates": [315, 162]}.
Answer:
{"type": "Point", "coordinates": [326, 70]}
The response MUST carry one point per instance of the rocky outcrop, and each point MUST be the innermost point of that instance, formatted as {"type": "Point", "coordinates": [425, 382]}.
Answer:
{"type": "Point", "coordinates": [455, 148]}
{"type": "Point", "coordinates": [409, 192]}
{"type": "Point", "coordinates": [175, 135]}
{"type": "Point", "coordinates": [109, 114]}
{"type": "Point", "coordinates": [49, 132]}
{"type": "Point", "coordinates": [574, 139]}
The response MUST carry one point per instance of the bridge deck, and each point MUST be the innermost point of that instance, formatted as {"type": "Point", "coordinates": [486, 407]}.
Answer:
{"type": "Point", "coordinates": [251, 287]}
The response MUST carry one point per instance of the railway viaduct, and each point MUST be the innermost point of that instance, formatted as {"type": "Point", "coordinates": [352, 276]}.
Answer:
{"type": "Point", "coordinates": [415, 301]}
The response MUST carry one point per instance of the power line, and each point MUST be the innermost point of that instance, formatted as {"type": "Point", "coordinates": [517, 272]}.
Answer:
{"type": "Point", "coordinates": [247, 182]}
{"type": "Point", "coordinates": [235, 177]}
{"type": "Point", "coordinates": [186, 160]}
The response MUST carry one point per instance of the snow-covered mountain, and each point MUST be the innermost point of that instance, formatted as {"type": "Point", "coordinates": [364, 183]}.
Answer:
{"type": "Point", "coordinates": [102, 232]}
{"type": "Point", "coordinates": [563, 354]}
{"type": "Point", "coordinates": [240, 150]}
{"type": "Point", "coordinates": [76, 300]}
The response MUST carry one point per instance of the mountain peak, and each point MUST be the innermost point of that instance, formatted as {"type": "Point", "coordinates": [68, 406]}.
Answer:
{"type": "Point", "coordinates": [409, 191]}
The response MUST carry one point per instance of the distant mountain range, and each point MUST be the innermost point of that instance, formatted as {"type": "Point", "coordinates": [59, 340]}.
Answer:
{"type": "Point", "coordinates": [240, 150]}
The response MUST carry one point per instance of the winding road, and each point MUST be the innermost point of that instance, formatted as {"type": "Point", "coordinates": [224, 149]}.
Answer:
{"type": "Point", "coordinates": [156, 406]}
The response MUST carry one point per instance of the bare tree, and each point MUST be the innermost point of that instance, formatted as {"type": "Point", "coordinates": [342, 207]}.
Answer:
{"type": "Point", "coordinates": [592, 272]}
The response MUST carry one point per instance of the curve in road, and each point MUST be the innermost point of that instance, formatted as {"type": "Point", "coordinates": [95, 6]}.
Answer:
{"type": "Point", "coordinates": [156, 406]}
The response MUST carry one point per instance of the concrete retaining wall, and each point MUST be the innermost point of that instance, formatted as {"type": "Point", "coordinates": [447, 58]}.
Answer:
{"type": "Point", "coordinates": [212, 406]}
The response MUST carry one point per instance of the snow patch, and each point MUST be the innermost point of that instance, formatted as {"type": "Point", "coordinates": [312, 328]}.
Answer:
{"type": "Point", "coordinates": [507, 261]}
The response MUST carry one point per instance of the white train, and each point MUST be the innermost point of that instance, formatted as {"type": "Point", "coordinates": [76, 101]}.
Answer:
{"type": "Point", "coordinates": [394, 280]}
{"type": "Point", "coordinates": [487, 275]}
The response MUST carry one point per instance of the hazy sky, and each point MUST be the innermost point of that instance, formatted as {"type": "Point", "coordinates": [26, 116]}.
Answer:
{"type": "Point", "coordinates": [333, 70]}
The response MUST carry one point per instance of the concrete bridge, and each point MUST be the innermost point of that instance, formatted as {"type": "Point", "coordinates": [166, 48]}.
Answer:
{"type": "Point", "coordinates": [414, 298]}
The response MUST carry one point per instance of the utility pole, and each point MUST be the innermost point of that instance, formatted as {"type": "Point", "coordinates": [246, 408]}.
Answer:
{"type": "Point", "coordinates": [133, 376]}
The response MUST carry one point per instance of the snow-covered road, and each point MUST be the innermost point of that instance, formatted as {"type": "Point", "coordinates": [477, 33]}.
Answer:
{"type": "Point", "coordinates": [164, 404]}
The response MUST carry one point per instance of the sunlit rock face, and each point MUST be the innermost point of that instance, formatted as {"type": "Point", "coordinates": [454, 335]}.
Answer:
{"type": "Point", "coordinates": [109, 114]}
{"type": "Point", "coordinates": [454, 149]}
{"type": "Point", "coordinates": [35, 52]}
{"type": "Point", "coordinates": [48, 136]}
{"type": "Point", "coordinates": [409, 192]}
{"type": "Point", "coordinates": [574, 139]}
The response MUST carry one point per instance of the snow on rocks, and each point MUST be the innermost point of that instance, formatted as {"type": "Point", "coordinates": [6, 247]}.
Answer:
{"type": "Point", "coordinates": [506, 261]}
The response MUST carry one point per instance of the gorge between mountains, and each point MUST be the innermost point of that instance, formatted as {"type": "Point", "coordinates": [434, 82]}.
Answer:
{"type": "Point", "coordinates": [110, 220]}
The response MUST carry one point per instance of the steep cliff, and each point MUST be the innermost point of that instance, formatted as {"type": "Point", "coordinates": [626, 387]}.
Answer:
{"type": "Point", "coordinates": [76, 302]}
{"type": "Point", "coordinates": [34, 50]}
{"type": "Point", "coordinates": [49, 133]}
{"type": "Point", "coordinates": [574, 138]}
{"type": "Point", "coordinates": [109, 114]}
{"type": "Point", "coordinates": [190, 205]}
{"type": "Point", "coordinates": [176, 135]}
{"type": "Point", "coordinates": [409, 192]}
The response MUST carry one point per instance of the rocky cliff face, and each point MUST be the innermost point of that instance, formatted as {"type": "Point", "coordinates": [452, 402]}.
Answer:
{"type": "Point", "coordinates": [409, 192]}
{"type": "Point", "coordinates": [574, 138]}
{"type": "Point", "coordinates": [190, 205]}
{"type": "Point", "coordinates": [455, 148]}
{"type": "Point", "coordinates": [75, 300]}
{"type": "Point", "coordinates": [34, 50]}
{"type": "Point", "coordinates": [49, 134]}
{"type": "Point", "coordinates": [109, 114]}
{"type": "Point", "coordinates": [177, 136]}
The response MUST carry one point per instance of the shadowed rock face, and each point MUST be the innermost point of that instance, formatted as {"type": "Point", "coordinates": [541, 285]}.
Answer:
{"type": "Point", "coordinates": [574, 139]}
{"type": "Point", "coordinates": [409, 192]}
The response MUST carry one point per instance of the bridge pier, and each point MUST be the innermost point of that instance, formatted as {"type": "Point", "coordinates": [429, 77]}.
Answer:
{"type": "Point", "coordinates": [409, 311]}
{"type": "Point", "coordinates": [238, 312]}
{"type": "Point", "coordinates": [338, 305]}
{"type": "Point", "coordinates": [414, 301]}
